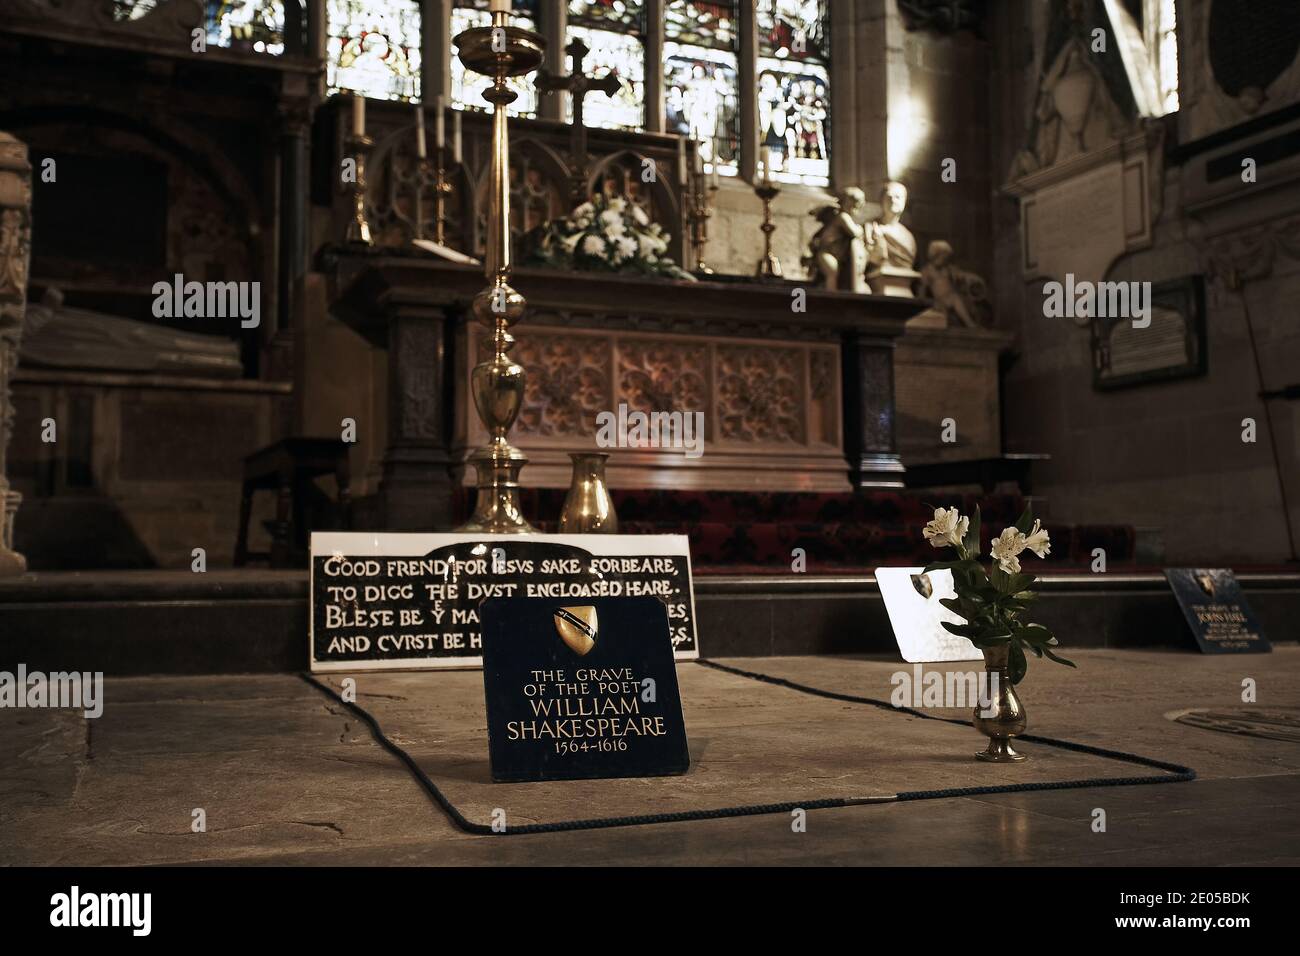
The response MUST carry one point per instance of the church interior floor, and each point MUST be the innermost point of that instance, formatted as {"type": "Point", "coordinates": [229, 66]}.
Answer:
{"type": "Point", "coordinates": [286, 775]}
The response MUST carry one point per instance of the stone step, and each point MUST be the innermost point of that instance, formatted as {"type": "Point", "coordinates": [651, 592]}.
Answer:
{"type": "Point", "coordinates": [252, 621]}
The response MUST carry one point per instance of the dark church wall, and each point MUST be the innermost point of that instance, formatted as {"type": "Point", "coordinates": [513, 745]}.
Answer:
{"type": "Point", "coordinates": [1166, 456]}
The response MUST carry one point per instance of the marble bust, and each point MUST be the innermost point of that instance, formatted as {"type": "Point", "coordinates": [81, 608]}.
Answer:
{"type": "Point", "coordinates": [891, 247]}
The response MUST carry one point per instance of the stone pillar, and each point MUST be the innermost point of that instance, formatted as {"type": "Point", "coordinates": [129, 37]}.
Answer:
{"type": "Point", "coordinates": [870, 439]}
{"type": "Point", "coordinates": [295, 124]}
{"type": "Point", "coordinates": [435, 51]}
{"type": "Point", "coordinates": [416, 484]}
{"type": "Point", "coordinates": [553, 24]}
{"type": "Point", "coordinates": [654, 66]}
{"type": "Point", "coordinates": [15, 250]}
{"type": "Point", "coordinates": [748, 93]}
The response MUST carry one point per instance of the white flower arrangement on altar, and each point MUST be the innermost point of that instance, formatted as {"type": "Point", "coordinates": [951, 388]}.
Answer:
{"type": "Point", "coordinates": [991, 602]}
{"type": "Point", "coordinates": [607, 235]}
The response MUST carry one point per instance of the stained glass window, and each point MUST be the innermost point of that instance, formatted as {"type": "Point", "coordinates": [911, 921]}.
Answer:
{"type": "Point", "coordinates": [794, 88]}
{"type": "Point", "coordinates": [701, 78]}
{"type": "Point", "coordinates": [466, 87]}
{"type": "Point", "coordinates": [623, 55]}
{"type": "Point", "coordinates": [1166, 52]}
{"type": "Point", "coordinates": [246, 24]}
{"type": "Point", "coordinates": [132, 9]}
{"type": "Point", "coordinates": [614, 31]}
{"type": "Point", "coordinates": [374, 48]}
{"type": "Point", "coordinates": [617, 15]}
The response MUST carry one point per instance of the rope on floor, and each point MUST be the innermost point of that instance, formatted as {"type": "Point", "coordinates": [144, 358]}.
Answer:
{"type": "Point", "coordinates": [1174, 772]}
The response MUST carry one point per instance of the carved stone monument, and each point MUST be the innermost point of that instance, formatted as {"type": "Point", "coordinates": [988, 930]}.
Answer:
{"type": "Point", "coordinates": [837, 256]}
{"type": "Point", "coordinates": [891, 247]}
{"type": "Point", "coordinates": [1090, 173]}
{"type": "Point", "coordinates": [960, 297]}
{"type": "Point", "coordinates": [15, 250]}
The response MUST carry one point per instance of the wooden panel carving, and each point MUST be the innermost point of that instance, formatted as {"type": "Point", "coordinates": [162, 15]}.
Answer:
{"type": "Point", "coordinates": [760, 394]}
{"type": "Point", "coordinates": [763, 395]}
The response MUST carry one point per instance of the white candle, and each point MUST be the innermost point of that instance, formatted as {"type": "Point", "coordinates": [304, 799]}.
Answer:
{"type": "Point", "coordinates": [358, 115]}
{"type": "Point", "coordinates": [440, 123]}
{"type": "Point", "coordinates": [681, 161]}
{"type": "Point", "coordinates": [419, 131]}
{"type": "Point", "coordinates": [455, 137]}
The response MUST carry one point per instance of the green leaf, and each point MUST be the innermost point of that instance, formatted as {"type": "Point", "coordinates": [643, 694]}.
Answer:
{"type": "Point", "coordinates": [940, 566]}
{"type": "Point", "coordinates": [1059, 660]}
{"type": "Point", "coordinates": [953, 604]}
{"type": "Point", "coordinates": [961, 630]}
{"type": "Point", "coordinates": [1016, 663]}
{"type": "Point", "coordinates": [1025, 523]}
{"type": "Point", "coordinates": [1035, 634]}
{"type": "Point", "coordinates": [972, 540]}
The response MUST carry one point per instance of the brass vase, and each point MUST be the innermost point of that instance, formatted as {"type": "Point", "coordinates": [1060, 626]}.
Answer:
{"type": "Point", "coordinates": [588, 509]}
{"type": "Point", "coordinates": [1008, 714]}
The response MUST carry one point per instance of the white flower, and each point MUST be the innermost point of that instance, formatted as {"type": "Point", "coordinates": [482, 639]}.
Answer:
{"type": "Point", "coordinates": [625, 246]}
{"type": "Point", "coordinates": [947, 528]}
{"type": "Point", "coordinates": [583, 222]}
{"type": "Point", "coordinates": [1005, 548]}
{"type": "Point", "coordinates": [593, 246]}
{"type": "Point", "coordinates": [646, 246]}
{"type": "Point", "coordinates": [639, 216]}
{"type": "Point", "coordinates": [585, 211]}
{"type": "Point", "coordinates": [1037, 541]}
{"type": "Point", "coordinates": [618, 204]}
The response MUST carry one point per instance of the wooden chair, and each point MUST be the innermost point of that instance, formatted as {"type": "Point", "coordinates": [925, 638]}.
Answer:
{"type": "Point", "coordinates": [288, 468]}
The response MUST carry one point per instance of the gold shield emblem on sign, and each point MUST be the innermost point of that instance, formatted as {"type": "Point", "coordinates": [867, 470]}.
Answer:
{"type": "Point", "coordinates": [577, 628]}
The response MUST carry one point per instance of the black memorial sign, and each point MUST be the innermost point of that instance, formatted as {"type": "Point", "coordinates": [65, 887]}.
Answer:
{"type": "Point", "coordinates": [579, 689]}
{"type": "Point", "coordinates": [412, 600]}
{"type": "Point", "coordinates": [1216, 610]}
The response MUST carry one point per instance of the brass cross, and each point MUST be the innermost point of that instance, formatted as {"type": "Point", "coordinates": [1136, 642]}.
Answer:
{"type": "Point", "coordinates": [579, 85]}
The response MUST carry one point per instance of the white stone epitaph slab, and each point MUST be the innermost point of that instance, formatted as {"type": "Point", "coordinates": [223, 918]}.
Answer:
{"type": "Point", "coordinates": [918, 618]}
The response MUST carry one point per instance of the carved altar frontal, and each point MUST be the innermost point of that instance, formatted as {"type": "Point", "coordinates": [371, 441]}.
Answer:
{"type": "Point", "coordinates": [770, 407]}
{"type": "Point", "coordinates": [789, 399]}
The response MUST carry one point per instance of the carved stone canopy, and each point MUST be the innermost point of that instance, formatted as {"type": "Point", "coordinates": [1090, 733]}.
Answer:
{"type": "Point", "coordinates": [943, 16]}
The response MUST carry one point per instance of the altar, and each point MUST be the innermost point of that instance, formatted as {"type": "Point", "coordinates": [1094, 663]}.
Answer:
{"type": "Point", "coordinates": [792, 400]}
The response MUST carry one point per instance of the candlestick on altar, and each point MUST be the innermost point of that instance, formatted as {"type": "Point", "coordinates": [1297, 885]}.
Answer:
{"type": "Point", "coordinates": [769, 267]}
{"type": "Point", "coordinates": [358, 115]}
{"type": "Point", "coordinates": [419, 131]}
{"type": "Point", "coordinates": [699, 211]}
{"type": "Point", "coordinates": [358, 146]}
{"type": "Point", "coordinates": [500, 52]}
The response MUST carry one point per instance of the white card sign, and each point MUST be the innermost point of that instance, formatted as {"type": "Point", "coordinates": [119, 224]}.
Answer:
{"type": "Point", "coordinates": [912, 601]}
{"type": "Point", "coordinates": [387, 600]}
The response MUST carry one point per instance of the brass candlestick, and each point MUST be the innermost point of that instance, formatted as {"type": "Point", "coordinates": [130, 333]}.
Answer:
{"type": "Point", "coordinates": [699, 214]}
{"type": "Point", "coordinates": [499, 51]}
{"type": "Point", "coordinates": [433, 175]}
{"type": "Point", "coordinates": [769, 267]}
{"type": "Point", "coordinates": [442, 189]}
{"type": "Point", "coordinates": [358, 228]}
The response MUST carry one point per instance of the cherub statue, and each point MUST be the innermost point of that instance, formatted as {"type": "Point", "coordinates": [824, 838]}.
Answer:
{"type": "Point", "coordinates": [838, 250]}
{"type": "Point", "coordinates": [961, 295]}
